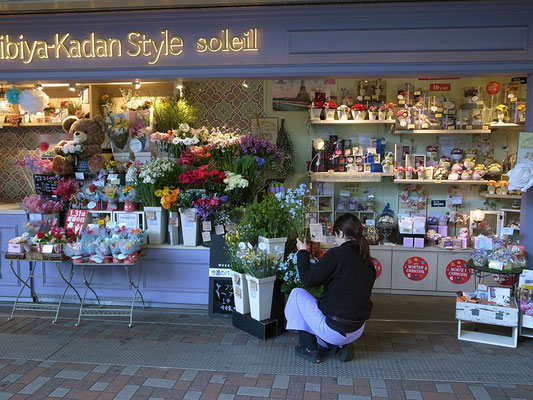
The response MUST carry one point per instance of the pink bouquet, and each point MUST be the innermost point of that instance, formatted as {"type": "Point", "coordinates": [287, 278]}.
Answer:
{"type": "Point", "coordinates": [36, 164]}
{"type": "Point", "coordinates": [35, 204]}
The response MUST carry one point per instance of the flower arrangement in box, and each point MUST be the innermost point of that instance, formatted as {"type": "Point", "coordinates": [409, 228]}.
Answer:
{"type": "Point", "coordinates": [235, 186]}
{"type": "Point", "coordinates": [441, 173]}
{"type": "Point", "coordinates": [35, 204]}
{"type": "Point", "coordinates": [152, 175]}
{"type": "Point", "coordinates": [169, 198]}
{"type": "Point", "coordinates": [66, 188]}
{"type": "Point", "coordinates": [40, 239]}
{"type": "Point", "coordinates": [128, 195]}
{"type": "Point", "coordinates": [421, 171]}
{"type": "Point", "coordinates": [329, 108]}
{"type": "Point", "coordinates": [359, 112]}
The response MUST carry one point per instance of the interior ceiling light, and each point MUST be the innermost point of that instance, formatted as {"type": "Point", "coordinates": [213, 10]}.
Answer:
{"type": "Point", "coordinates": [245, 84]}
{"type": "Point", "coordinates": [72, 87]}
{"type": "Point", "coordinates": [136, 84]}
{"type": "Point", "coordinates": [38, 86]}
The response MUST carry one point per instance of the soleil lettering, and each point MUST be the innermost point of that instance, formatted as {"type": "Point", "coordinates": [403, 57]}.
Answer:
{"type": "Point", "coordinates": [136, 44]}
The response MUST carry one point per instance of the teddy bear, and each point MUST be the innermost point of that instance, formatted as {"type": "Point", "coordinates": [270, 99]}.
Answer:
{"type": "Point", "coordinates": [86, 136]}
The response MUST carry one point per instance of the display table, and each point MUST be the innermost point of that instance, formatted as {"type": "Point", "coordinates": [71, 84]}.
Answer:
{"type": "Point", "coordinates": [94, 311]}
{"type": "Point", "coordinates": [484, 272]}
{"type": "Point", "coordinates": [526, 325]}
{"type": "Point", "coordinates": [38, 304]}
{"type": "Point", "coordinates": [490, 315]}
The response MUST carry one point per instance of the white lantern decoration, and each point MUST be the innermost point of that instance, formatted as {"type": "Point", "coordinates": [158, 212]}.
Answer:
{"type": "Point", "coordinates": [33, 100]}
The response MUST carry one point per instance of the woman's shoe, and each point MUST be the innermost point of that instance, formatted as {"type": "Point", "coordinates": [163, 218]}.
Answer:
{"type": "Point", "coordinates": [305, 353]}
{"type": "Point", "coordinates": [345, 353]}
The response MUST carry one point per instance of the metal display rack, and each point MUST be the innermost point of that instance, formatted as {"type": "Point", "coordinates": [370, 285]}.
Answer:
{"type": "Point", "coordinates": [100, 310]}
{"type": "Point", "coordinates": [38, 305]}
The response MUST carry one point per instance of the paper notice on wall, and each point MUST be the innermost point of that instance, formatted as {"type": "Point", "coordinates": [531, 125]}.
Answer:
{"type": "Point", "coordinates": [316, 232]}
{"type": "Point", "coordinates": [365, 140]}
{"type": "Point", "coordinates": [446, 145]}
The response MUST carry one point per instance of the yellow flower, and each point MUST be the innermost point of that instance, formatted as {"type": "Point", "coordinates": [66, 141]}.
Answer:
{"type": "Point", "coordinates": [158, 193]}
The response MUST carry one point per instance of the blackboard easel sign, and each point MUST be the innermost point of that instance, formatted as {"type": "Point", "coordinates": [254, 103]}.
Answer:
{"type": "Point", "coordinates": [45, 184]}
{"type": "Point", "coordinates": [220, 286]}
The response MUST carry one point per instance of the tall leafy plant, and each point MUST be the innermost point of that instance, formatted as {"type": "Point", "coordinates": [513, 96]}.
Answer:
{"type": "Point", "coordinates": [172, 111]}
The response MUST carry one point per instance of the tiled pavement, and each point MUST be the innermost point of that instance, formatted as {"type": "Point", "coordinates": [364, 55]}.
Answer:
{"type": "Point", "coordinates": [45, 361]}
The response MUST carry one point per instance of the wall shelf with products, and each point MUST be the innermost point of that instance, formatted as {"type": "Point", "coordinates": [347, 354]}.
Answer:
{"type": "Point", "coordinates": [356, 177]}
{"type": "Point", "coordinates": [501, 196]}
{"type": "Point", "coordinates": [442, 131]}
{"type": "Point", "coordinates": [445, 181]}
{"type": "Point", "coordinates": [351, 122]}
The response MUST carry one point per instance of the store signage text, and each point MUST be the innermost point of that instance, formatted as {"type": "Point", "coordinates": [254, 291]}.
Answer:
{"type": "Point", "coordinates": [136, 44]}
{"type": "Point", "coordinates": [440, 87]}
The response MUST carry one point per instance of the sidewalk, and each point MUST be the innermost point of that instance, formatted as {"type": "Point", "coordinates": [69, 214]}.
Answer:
{"type": "Point", "coordinates": [184, 354]}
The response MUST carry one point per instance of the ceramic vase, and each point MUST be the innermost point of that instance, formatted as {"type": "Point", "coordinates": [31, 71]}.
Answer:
{"type": "Point", "coordinates": [330, 114]}
{"type": "Point", "coordinates": [358, 115]}
{"type": "Point", "coordinates": [157, 226]}
{"type": "Point", "coordinates": [260, 293]}
{"type": "Point", "coordinates": [382, 115]}
{"type": "Point", "coordinates": [314, 113]}
{"type": "Point", "coordinates": [372, 115]}
{"type": "Point", "coordinates": [343, 115]}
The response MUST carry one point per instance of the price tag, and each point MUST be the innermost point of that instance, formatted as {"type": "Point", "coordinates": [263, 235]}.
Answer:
{"type": "Point", "coordinates": [485, 127]}
{"type": "Point", "coordinates": [375, 97]}
{"type": "Point", "coordinates": [48, 249]}
{"type": "Point", "coordinates": [110, 177]}
{"type": "Point", "coordinates": [438, 115]}
{"type": "Point", "coordinates": [469, 127]}
{"type": "Point", "coordinates": [367, 97]}
{"type": "Point", "coordinates": [400, 97]}
{"type": "Point", "coordinates": [190, 214]}
{"type": "Point", "coordinates": [510, 95]}
{"type": "Point", "coordinates": [115, 181]}
{"type": "Point", "coordinates": [451, 112]}
{"type": "Point", "coordinates": [434, 108]}
{"type": "Point", "coordinates": [438, 181]}
{"type": "Point", "coordinates": [173, 222]}
{"type": "Point", "coordinates": [417, 93]}
{"type": "Point", "coordinates": [36, 217]}
{"type": "Point", "coordinates": [508, 231]}
{"type": "Point", "coordinates": [496, 265]}
{"type": "Point", "coordinates": [411, 126]}
{"type": "Point", "coordinates": [79, 176]}
{"type": "Point", "coordinates": [514, 99]}
{"type": "Point", "coordinates": [150, 214]}
{"type": "Point", "coordinates": [425, 126]}
{"type": "Point", "coordinates": [370, 222]}
{"type": "Point", "coordinates": [219, 229]}
{"type": "Point", "coordinates": [401, 102]}
{"type": "Point", "coordinates": [206, 236]}
{"type": "Point", "coordinates": [480, 103]}
{"type": "Point", "coordinates": [451, 128]}
{"type": "Point", "coordinates": [207, 226]}
{"type": "Point", "coordinates": [135, 145]}
{"type": "Point", "coordinates": [475, 98]}
{"type": "Point", "coordinates": [91, 205]}
{"type": "Point", "coordinates": [232, 226]}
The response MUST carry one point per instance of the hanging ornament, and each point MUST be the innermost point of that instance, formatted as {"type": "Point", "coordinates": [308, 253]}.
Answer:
{"type": "Point", "coordinates": [33, 100]}
{"type": "Point", "coordinates": [12, 96]}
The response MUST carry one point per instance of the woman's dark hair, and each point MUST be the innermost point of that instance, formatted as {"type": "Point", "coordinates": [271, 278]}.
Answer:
{"type": "Point", "coordinates": [352, 228]}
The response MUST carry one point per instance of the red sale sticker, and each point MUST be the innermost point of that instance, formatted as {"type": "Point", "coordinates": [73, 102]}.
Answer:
{"type": "Point", "coordinates": [377, 266]}
{"type": "Point", "coordinates": [505, 280]}
{"type": "Point", "coordinates": [415, 268]}
{"type": "Point", "coordinates": [457, 272]}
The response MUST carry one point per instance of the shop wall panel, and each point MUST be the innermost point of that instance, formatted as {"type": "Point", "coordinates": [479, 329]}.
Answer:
{"type": "Point", "coordinates": [10, 226]}
{"type": "Point", "coordinates": [401, 281]}
{"type": "Point", "coordinates": [320, 39]}
{"type": "Point", "coordinates": [385, 259]}
{"type": "Point", "coordinates": [173, 276]}
{"type": "Point", "coordinates": [444, 283]}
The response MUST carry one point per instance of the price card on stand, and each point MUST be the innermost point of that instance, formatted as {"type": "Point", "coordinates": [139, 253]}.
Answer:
{"type": "Point", "coordinates": [207, 226]}
{"type": "Point", "coordinates": [76, 220]}
{"type": "Point", "coordinates": [129, 220]}
{"type": "Point", "coordinates": [150, 214]}
{"type": "Point", "coordinates": [173, 222]}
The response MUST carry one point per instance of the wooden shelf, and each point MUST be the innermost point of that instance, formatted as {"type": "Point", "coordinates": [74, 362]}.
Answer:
{"type": "Point", "coordinates": [510, 210]}
{"type": "Point", "coordinates": [444, 181]}
{"type": "Point", "coordinates": [501, 196]}
{"type": "Point", "coordinates": [352, 122]}
{"type": "Point", "coordinates": [506, 125]}
{"type": "Point", "coordinates": [441, 131]}
{"type": "Point", "coordinates": [42, 124]}
{"type": "Point", "coordinates": [372, 177]}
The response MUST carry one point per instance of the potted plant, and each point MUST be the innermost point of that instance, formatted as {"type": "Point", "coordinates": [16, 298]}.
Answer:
{"type": "Point", "coordinates": [238, 277]}
{"type": "Point", "coordinates": [342, 112]}
{"type": "Point", "coordinates": [260, 270]}
{"type": "Point", "coordinates": [390, 110]}
{"type": "Point", "coordinates": [287, 273]}
{"type": "Point", "coordinates": [358, 112]}
{"type": "Point", "coordinates": [315, 110]}
{"type": "Point", "coordinates": [382, 113]}
{"type": "Point", "coordinates": [189, 221]}
{"type": "Point", "coordinates": [169, 201]}
{"type": "Point", "coordinates": [501, 111]}
{"type": "Point", "coordinates": [372, 113]}
{"type": "Point", "coordinates": [146, 180]}
{"type": "Point", "coordinates": [330, 107]}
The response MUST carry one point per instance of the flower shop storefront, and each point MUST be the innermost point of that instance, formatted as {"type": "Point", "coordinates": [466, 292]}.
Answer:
{"type": "Point", "coordinates": [150, 81]}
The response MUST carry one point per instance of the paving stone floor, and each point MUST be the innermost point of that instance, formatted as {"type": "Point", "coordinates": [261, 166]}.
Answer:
{"type": "Point", "coordinates": [183, 354]}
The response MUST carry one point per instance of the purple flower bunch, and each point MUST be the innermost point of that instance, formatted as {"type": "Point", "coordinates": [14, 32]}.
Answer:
{"type": "Point", "coordinates": [36, 164]}
{"type": "Point", "coordinates": [260, 148]}
{"type": "Point", "coordinates": [208, 205]}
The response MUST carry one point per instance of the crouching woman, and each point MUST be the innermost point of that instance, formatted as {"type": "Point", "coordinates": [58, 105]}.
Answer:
{"type": "Point", "coordinates": [347, 275]}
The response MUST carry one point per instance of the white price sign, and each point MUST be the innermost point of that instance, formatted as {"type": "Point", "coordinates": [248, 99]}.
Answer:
{"type": "Point", "coordinates": [220, 273]}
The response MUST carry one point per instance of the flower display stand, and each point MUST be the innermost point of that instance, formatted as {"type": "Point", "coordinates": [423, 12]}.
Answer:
{"type": "Point", "coordinates": [490, 315]}
{"type": "Point", "coordinates": [526, 325]}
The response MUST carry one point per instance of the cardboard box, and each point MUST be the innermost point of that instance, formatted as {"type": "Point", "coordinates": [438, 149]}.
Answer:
{"type": "Point", "coordinates": [16, 248]}
{"type": "Point", "coordinates": [419, 243]}
{"type": "Point", "coordinates": [442, 230]}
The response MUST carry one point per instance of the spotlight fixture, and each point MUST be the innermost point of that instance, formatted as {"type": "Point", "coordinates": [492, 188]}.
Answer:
{"type": "Point", "coordinates": [38, 86]}
{"type": "Point", "coordinates": [72, 87]}
{"type": "Point", "coordinates": [318, 144]}
{"type": "Point", "coordinates": [136, 84]}
{"type": "Point", "coordinates": [245, 84]}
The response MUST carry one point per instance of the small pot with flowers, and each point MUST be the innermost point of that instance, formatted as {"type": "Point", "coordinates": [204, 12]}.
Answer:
{"type": "Point", "coordinates": [372, 113]}
{"type": "Point", "coordinates": [491, 188]}
{"type": "Point", "coordinates": [382, 113]}
{"type": "Point", "coordinates": [40, 239]}
{"type": "Point", "coordinates": [421, 172]}
{"type": "Point", "coordinates": [110, 194]}
{"type": "Point", "coordinates": [409, 172]}
{"type": "Point", "coordinates": [400, 172]}
{"type": "Point", "coordinates": [502, 112]}
{"type": "Point", "coordinates": [504, 187]}
{"type": "Point", "coordinates": [315, 109]}
{"type": "Point", "coordinates": [92, 194]}
{"type": "Point", "coordinates": [59, 236]}
{"type": "Point", "coordinates": [329, 109]}
{"type": "Point", "coordinates": [358, 112]}
{"type": "Point", "coordinates": [128, 195]}
{"type": "Point", "coordinates": [342, 112]}
{"type": "Point", "coordinates": [390, 110]}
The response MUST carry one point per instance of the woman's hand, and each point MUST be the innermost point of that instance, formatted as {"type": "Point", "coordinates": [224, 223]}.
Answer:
{"type": "Point", "coordinates": [301, 245]}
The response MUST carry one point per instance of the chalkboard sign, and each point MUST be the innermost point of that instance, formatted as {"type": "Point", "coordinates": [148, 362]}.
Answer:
{"type": "Point", "coordinates": [220, 285]}
{"type": "Point", "coordinates": [82, 165]}
{"type": "Point", "coordinates": [438, 203]}
{"type": "Point", "coordinates": [45, 184]}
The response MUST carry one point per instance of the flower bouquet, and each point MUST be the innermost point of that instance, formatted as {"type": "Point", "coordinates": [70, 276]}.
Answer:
{"type": "Point", "coordinates": [502, 111]}
{"type": "Point", "coordinates": [211, 208]}
{"type": "Point", "coordinates": [129, 248]}
{"type": "Point", "coordinates": [359, 112]}
{"type": "Point", "coordinates": [140, 125]}
{"type": "Point", "coordinates": [117, 127]}
{"type": "Point", "coordinates": [37, 164]}
{"type": "Point", "coordinates": [110, 194]}
{"type": "Point", "coordinates": [75, 251]}
{"type": "Point", "coordinates": [40, 239]}
{"type": "Point", "coordinates": [287, 272]}
{"type": "Point", "coordinates": [235, 186]}
{"type": "Point", "coordinates": [329, 108]}
{"type": "Point", "coordinates": [390, 110]}
{"type": "Point", "coordinates": [152, 175]}
{"type": "Point", "coordinates": [382, 113]}
{"type": "Point", "coordinates": [372, 113]}
{"type": "Point", "coordinates": [92, 194]}
{"type": "Point", "coordinates": [212, 180]}
{"type": "Point", "coordinates": [36, 204]}
{"type": "Point", "coordinates": [491, 188]}
{"type": "Point", "coordinates": [169, 198]}
{"type": "Point", "coordinates": [293, 203]}
{"type": "Point", "coordinates": [128, 195]}
{"type": "Point", "coordinates": [102, 252]}
{"type": "Point", "coordinates": [315, 109]}
{"type": "Point", "coordinates": [66, 188]}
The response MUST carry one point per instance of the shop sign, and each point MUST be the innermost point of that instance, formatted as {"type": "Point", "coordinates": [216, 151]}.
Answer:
{"type": "Point", "coordinates": [377, 266]}
{"type": "Point", "coordinates": [440, 87]}
{"type": "Point", "coordinates": [504, 280]}
{"type": "Point", "coordinates": [135, 44]}
{"type": "Point", "coordinates": [415, 268]}
{"type": "Point", "coordinates": [76, 220]}
{"type": "Point", "coordinates": [493, 87]}
{"type": "Point", "coordinates": [457, 272]}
